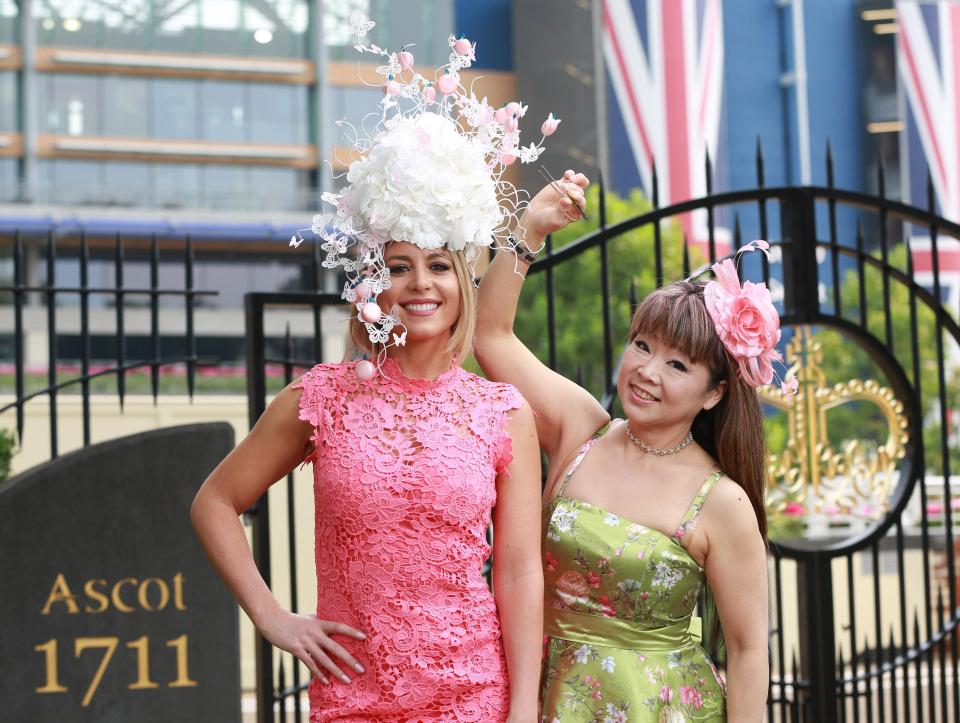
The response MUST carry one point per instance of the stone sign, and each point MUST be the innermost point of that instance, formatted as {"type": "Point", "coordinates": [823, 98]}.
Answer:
{"type": "Point", "coordinates": [110, 609]}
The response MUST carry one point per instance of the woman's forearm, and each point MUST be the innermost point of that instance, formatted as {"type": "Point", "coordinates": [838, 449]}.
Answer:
{"type": "Point", "coordinates": [221, 533]}
{"type": "Point", "coordinates": [748, 672]}
{"type": "Point", "coordinates": [499, 294]}
{"type": "Point", "coordinates": [520, 604]}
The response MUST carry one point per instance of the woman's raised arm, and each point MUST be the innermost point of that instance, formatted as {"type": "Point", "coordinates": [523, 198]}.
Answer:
{"type": "Point", "coordinates": [566, 414]}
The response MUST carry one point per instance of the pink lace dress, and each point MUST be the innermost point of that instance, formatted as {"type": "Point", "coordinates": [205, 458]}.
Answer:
{"type": "Point", "coordinates": [404, 473]}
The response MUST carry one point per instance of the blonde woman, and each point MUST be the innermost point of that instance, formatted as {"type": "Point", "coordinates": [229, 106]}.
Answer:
{"type": "Point", "coordinates": [412, 455]}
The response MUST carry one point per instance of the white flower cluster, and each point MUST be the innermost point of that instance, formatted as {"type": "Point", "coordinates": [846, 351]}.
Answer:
{"type": "Point", "coordinates": [429, 172]}
{"type": "Point", "coordinates": [427, 183]}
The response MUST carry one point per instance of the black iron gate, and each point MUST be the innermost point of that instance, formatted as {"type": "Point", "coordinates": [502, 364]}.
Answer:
{"type": "Point", "coordinates": [863, 612]}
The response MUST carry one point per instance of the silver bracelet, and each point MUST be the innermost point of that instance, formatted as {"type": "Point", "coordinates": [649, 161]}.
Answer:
{"type": "Point", "coordinates": [522, 251]}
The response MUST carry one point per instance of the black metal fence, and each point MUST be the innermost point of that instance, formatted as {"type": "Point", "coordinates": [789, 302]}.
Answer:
{"type": "Point", "coordinates": [863, 643]}
{"type": "Point", "coordinates": [45, 295]}
{"type": "Point", "coordinates": [274, 687]}
{"type": "Point", "coordinates": [873, 630]}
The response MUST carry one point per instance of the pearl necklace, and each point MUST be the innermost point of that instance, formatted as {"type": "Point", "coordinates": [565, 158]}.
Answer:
{"type": "Point", "coordinates": [659, 452]}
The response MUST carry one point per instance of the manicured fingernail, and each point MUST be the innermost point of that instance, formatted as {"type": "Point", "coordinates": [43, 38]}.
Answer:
{"type": "Point", "coordinates": [358, 668]}
{"type": "Point", "coordinates": [345, 678]}
{"type": "Point", "coordinates": [363, 636]}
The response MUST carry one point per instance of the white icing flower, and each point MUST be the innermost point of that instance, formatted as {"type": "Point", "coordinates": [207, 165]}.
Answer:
{"type": "Point", "coordinates": [530, 153]}
{"type": "Point", "coordinates": [427, 183]}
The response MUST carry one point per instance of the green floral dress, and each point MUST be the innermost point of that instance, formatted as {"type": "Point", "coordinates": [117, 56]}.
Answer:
{"type": "Point", "coordinates": [622, 640]}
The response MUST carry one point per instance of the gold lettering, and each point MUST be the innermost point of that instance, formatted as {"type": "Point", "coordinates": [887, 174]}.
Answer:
{"type": "Point", "coordinates": [178, 592]}
{"type": "Point", "coordinates": [60, 592]}
{"type": "Point", "coordinates": [144, 598]}
{"type": "Point", "coordinates": [91, 590]}
{"type": "Point", "coordinates": [183, 674]}
{"type": "Point", "coordinates": [49, 649]}
{"type": "Point", "coordinates": [118, 602]}
{"type": "Point", "coordinates": [109, 644]}
{"type": "Point", "coordinates": [143, 682]}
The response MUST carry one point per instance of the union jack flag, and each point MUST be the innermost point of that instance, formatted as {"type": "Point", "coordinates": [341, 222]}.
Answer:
{"type": "Point", "coordinates": [665, 62]}
{"type": "Point", "coordinates": [928, 58]}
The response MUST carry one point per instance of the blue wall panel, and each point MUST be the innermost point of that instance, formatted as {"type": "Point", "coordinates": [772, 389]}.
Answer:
{"type": "Point", "coordinates": [488, 23]}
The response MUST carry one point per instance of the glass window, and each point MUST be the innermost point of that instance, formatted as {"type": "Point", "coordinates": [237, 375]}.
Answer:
{"type": "Point", "coordinates": [233, 280]}
{"type": "Point", "coordinates": [125, 184]}
{"type": "Point", "coordinates": [424, 23]}
{"type": "Point", "coordinates": [176, 185]}
{"type": "Point", "coordinates": [278, 113]}
{"type": "Point", "coordinates": [8, 101]}
{"type": "Point", "coordinates": [92, 23]}
{"type": "Point", "coordinates": [174, 108]}
{"type": "Point", "coordinates": [125, 106]}
{"type": "Point", "coordinates": [178, 28]}
{"type": "Point", "coordinates": [8, 22]}
{"type": "Point", "coordinates": [70, 104]}
{"type": "Point", "coordinates": [227, 27]}
{"type": "Point", "coordinates": [337, 33]}
{"type": "Point", "coordinates": [276, 28]}
{"type": "Point", "coordinates": [9, 181]}
{"type": "Point", "coordinates": [68, 22]}
{"type": "Point", "coordinates": [351, 104]}
{"type": "Point", "coordinates": [69, 181]}
{"type": "Point", "coordinates": [221, 27]}
{"type": "Point", "coordinates": [224, 110]}
{"type": "Point", "coordinates": [125, 25]}
{"type": "Point", "coordinates": [276, 189]}
{"type": "Point", "coordinates": [225, 187]}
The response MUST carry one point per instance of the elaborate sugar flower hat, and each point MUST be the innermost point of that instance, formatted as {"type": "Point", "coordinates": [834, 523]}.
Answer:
{"type": "Point", "coordinates": [429, 173]}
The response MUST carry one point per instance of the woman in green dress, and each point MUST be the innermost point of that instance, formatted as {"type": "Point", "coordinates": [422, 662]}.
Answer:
{"type": "Point", "coordinates": [643, 517]}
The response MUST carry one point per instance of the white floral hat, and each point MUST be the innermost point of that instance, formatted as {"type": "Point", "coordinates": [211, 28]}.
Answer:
{"type": "Point", "coordinates": [429, 173]}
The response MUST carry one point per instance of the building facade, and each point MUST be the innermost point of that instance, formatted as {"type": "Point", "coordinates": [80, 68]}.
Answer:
{"type": "Point", "coordinates": [212, 118]}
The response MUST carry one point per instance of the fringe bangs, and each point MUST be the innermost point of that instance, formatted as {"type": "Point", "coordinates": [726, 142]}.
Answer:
{"type": "Point", "coordinates": [677, 316]}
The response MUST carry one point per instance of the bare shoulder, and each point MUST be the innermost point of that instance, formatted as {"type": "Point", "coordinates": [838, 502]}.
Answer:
{"type": "Point", "coordinates": [728, 510]}
{"type": "Point", "coordinates": [521, 415]}
{"type": "Point", "coordinates": [288, 398]}
{"type": "Point", "coordinates": [285, 413]}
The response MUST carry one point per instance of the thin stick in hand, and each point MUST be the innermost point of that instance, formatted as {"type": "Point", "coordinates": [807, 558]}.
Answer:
{"type": "Point", "coordinates": [560, 189]}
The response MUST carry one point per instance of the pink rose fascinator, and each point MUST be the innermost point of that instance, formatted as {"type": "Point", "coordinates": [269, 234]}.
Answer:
{"type": "Point", "coordinates": [746, 321]}
{"type": "Point", "coordinates": [428, 170]}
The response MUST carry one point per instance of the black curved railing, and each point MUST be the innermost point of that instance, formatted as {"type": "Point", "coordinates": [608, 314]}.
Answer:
{"type": "Point", "coordinates": [862, 645]}
{"type": "Point", "coordinates": [47, 296]}
{"type": "Point", "coordinates": [817, 682]}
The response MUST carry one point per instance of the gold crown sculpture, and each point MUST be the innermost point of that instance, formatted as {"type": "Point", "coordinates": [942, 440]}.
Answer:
{"type": "Point", "coordinates": [809, 471]}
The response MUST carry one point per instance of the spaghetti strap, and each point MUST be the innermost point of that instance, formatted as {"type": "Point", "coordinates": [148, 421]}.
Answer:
{"type": "Point", "coordinates": [689, 520]}
{"type": "Point", "coordinates": [578, 459]}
